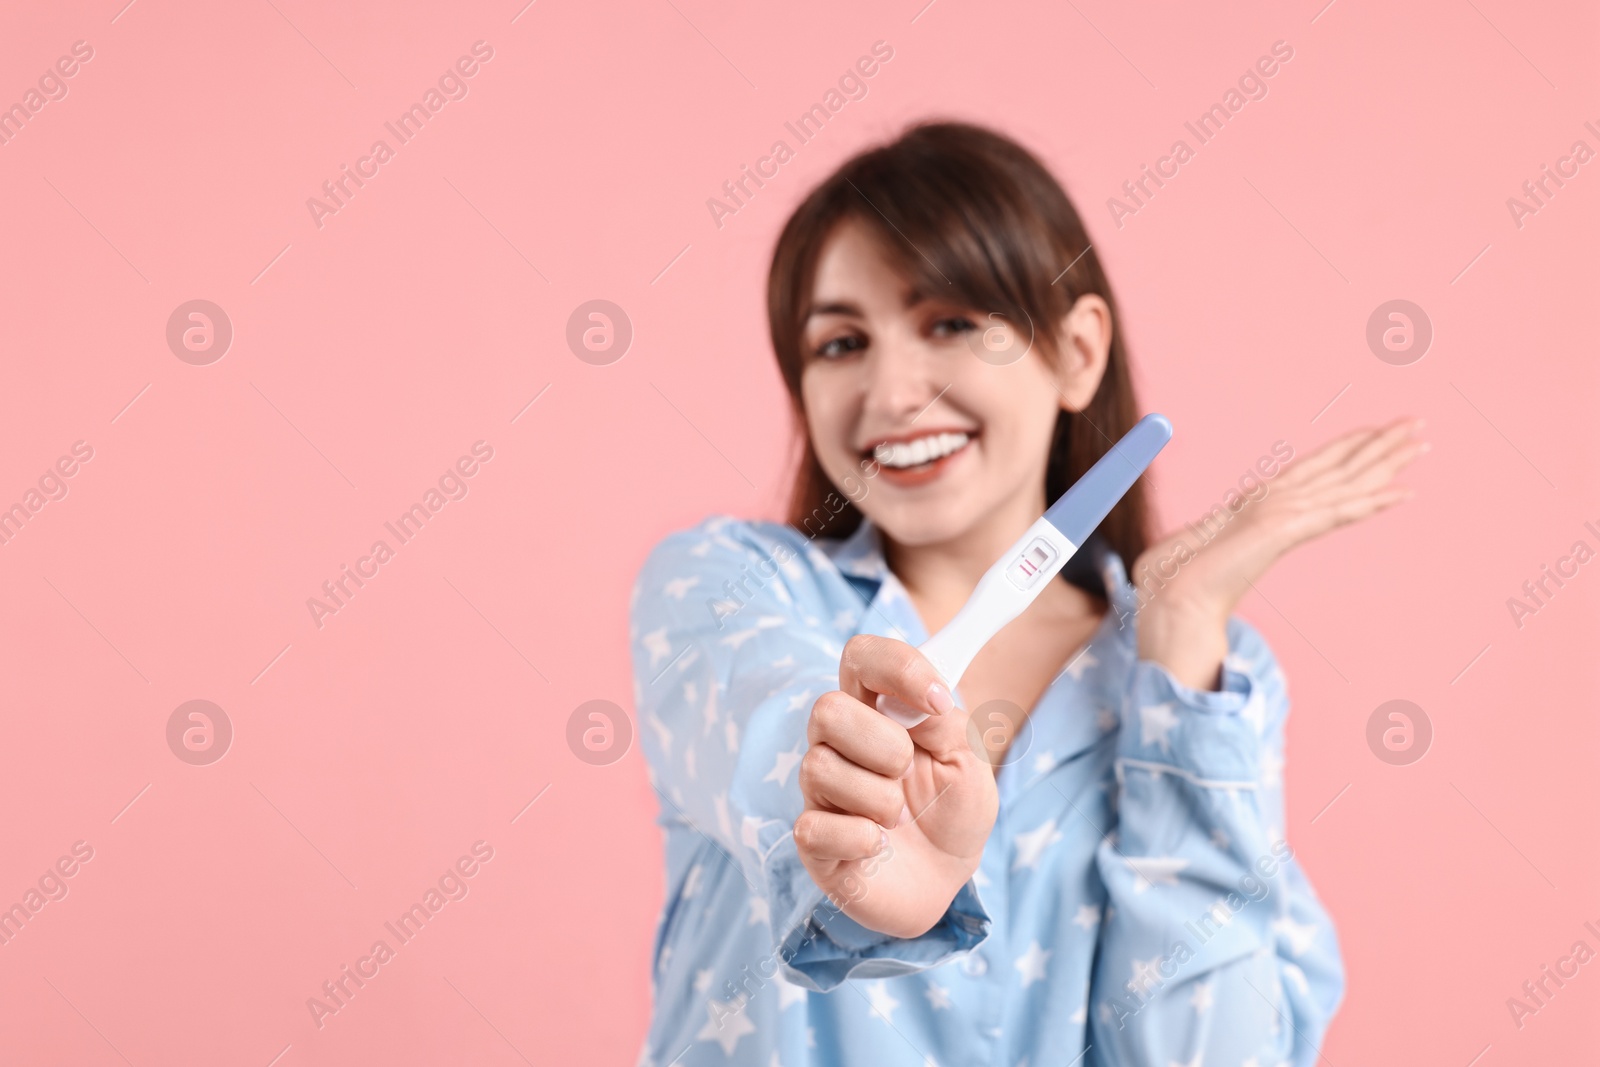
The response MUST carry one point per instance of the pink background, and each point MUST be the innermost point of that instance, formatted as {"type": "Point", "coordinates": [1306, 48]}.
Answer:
{"type": "Point", "coordinates": [370, 353]}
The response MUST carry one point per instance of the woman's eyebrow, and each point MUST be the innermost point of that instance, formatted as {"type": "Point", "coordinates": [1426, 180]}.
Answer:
{"type": "Point", "coordinates": [834, 308]}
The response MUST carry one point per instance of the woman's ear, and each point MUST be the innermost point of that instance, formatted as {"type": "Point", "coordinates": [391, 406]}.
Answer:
{"type": "Point", "coordinates": [1085, 346]}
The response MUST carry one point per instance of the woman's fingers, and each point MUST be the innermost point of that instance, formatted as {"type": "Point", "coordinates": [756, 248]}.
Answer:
{"type": "Point", "coordinates": [1382, 448]}
{"type": "Point", "coordinates": [827, 835]}
{"type": "Point", "coordinates": [1328, 456]}
{"type": "Point", "coordinates": [830, 781]}
{"type": "Point", "coordinates": [861, 734]}
{"type": "Point", "coordinates": [871, 665]}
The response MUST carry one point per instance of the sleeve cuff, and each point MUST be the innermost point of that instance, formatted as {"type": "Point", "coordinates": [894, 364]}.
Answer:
{"type": "Point", "coordinates": [1214, 736]}
{"type": "Point", "coordinates": [819, 946]}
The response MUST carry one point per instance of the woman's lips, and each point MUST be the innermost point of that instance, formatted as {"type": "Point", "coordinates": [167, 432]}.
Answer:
{"type": "Point", "coordinates": [910, 477]}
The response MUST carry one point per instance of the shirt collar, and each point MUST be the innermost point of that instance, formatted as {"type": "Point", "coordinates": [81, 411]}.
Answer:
{"type": "Point", "coordinates": [860, 555]}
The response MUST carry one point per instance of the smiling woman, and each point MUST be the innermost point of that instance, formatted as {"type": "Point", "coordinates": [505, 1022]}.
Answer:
{"type": "Point", "coordinates": [937, 892]}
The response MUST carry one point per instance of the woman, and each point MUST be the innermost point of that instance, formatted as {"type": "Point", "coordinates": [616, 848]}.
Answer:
{"type": "Point", "coordinates": [1079, 857]}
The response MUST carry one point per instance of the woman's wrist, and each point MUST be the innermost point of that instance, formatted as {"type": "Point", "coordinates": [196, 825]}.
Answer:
{"type": "Point", "coordinates": [1188, 638]}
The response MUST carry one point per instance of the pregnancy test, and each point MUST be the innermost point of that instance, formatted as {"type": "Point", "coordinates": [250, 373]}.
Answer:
{"type": "Point", "coordinates": [1008, 587]}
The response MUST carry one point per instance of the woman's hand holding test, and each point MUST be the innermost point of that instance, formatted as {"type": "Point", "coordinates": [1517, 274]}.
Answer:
{"type": "Point", "coordinates": [866, 784]}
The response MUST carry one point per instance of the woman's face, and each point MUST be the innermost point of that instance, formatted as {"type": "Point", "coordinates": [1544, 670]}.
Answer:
{"type": "Point", "coordinates": [894, 377]}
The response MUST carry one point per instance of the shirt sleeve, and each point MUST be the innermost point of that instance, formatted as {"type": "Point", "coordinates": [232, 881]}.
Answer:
{"type": "Point", "coordinates": [731, 647]}
{"type": "Point", "coordinates": [1214, 948]}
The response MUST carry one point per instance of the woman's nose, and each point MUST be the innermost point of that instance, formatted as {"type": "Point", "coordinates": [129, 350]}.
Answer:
{"type": "Point", "coordinates": [901, 382]}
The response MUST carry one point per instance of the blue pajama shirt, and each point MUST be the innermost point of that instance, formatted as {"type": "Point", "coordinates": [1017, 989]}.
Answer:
{"type": "Point", "coordinates": [1136, 901]}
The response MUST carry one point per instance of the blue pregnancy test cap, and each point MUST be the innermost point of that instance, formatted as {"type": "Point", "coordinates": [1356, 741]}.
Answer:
{"type": "Point", "coordinates": [1092, 497]}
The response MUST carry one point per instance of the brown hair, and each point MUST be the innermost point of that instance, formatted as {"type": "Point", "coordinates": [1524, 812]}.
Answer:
{"type": "Point", "coordinates": [968, 212]}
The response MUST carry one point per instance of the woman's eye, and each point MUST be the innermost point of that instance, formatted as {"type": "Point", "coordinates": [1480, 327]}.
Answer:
{"type": "Point", "coordinates": [951, 326]}
{"type": "Point", "coordinates": [838, 346]}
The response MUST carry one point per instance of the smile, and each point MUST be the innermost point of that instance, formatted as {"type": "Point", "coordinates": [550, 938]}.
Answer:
{"type": "Point", "coordinates": [912, 461]}
{"type": "Point", "coordinates": [905, 455]}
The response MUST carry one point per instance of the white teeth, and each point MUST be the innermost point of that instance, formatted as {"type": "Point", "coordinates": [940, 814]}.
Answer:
{"type": "Point", "coordinates": [915, 453]}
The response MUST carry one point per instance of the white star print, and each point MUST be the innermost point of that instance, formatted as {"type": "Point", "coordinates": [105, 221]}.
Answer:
{"type": "Point", "coordinates": [1146, 976]}
{"type": "Point", "coordinates": [938, 996]}
{"type": "Point", "coordinates": [701, 549]}
{"type": "Point", "coordinates": [844, 620]}
{"type": "Point", "coordinates": [724, 818]}
{"type": "Point", "coordinates": [749, 831]}
{"type": "Point", "coordinates": [1154, 870]}
{"type": "Point", "coordinates": [1298, 977]}
{"type": "Point", "coordinates": [883, 1005]}
{"type": "Point", "coordinates": [702, 980]}
{"type": "Point", "coordinates": [980, 879]}
{"type": "Point", "coordinates": [1271, 768]}
{"type": "Point", "coordinates": [655, 642]}
{"type": "Point", "coordinates": [732, 733]}
{"type": "Point", "coordinates": [760, 911]}
{"type": "Point", "coordinates": [677, 587]}
{"type": "Point", "coordinates": [1155, 722]}
{"type": "Point", "coordinates": [1080, 663]}
{"type": "Point", "coordinates": [1300, 936]}
{"type": "Point", "coordinates": [1031, 845]}
{"type": "Point", "coordinates": [783, 765]}
{"type": "Point", "coordinates": [779, 664]}
{"type": "Point", "coordinates": [663, 735]}
{"type": "Point", "coordinates": [688, 761]}
{"type": "Point", "coordinates": [1192, 1063]}
{"type": "Point", "coordinates": [1032, 964]}
{"type": "Point", "coordinates": [1043, 762]}
{"type": "Point", "coordinates": [1088, 916]}
{"type": "Point", "coordinates": [727, 1026]}
{"type": "Point", "coordinates": [1202, 998]}
{"type": "Point", "coordinates": [708, 714]}
{"type": "Point", "coordinates": [734, 640]}
{"type": "Point", "coordinates": [799, 700]}
{"type": "Point", "coordinates": [1081, 1016]}
{"type": "Point", "coordinates": [691, 881]}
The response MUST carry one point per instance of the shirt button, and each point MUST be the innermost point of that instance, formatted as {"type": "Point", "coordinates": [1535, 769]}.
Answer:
{"type": "Point", "coordinates": [974, 965]}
